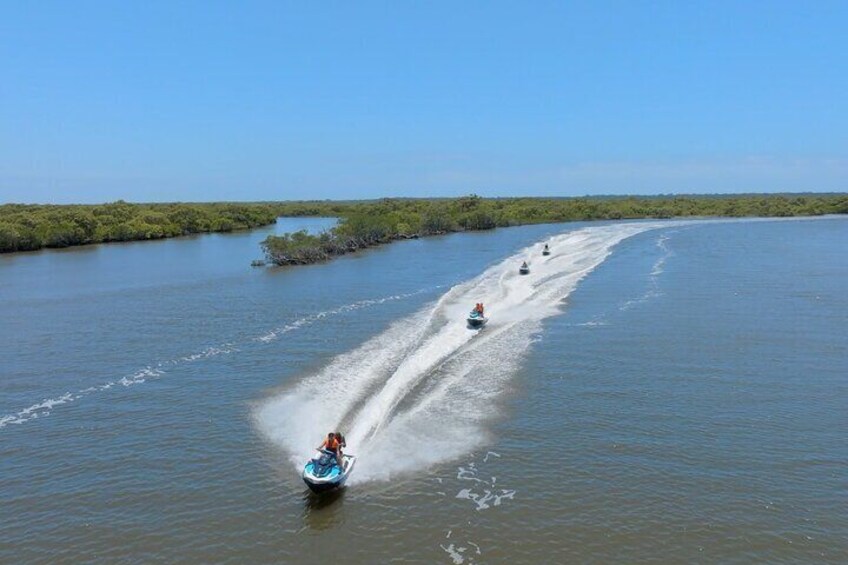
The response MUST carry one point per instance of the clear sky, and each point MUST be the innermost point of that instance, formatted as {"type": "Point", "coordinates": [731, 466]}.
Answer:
{"type": "Point", "coordinates": [176, 100]}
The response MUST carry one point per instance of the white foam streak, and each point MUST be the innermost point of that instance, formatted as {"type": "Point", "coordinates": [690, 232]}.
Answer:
{"type": "Point", "coordinates": [659, 266]}
{"type": "Point", "coordinates": [37, 410]}
{"type": "Point", "coordinates": [657, 270]}
{"type": "Point", "coordinates": [213, 351]}
{"type": "Point", "coordinates": [277, 332]}
{"type": "Point", "coordinates": [139, 377]}
{"type": "Point", "coordinates": [44, 407]}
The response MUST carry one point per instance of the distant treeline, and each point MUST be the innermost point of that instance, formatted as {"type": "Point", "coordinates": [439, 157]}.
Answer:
{"type": "Point", "coordinates": [365, 224]}
{"type": "Point", "coordinates": [25, 227]}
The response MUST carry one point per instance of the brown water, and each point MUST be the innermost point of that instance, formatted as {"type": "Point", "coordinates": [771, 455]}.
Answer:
{"type": "Point", "coordinates": [667, 392]}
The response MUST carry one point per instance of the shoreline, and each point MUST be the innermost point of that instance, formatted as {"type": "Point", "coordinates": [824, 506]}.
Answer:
{"type": "Point", "coordinates": [372, 225]}
{"type": "Point", "coordinates": [26, 228]}
{"type": "Point", "coordinates": [35, 227]}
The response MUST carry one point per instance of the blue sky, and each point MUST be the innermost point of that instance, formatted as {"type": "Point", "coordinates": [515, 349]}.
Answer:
{"type": "Point", "coordinates": [152, 101]}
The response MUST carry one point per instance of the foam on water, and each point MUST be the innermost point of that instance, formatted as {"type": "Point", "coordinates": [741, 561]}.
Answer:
{"type": "Point", "coordinates": [657, 270]}
{"type": "Point", "coordinates": [45, 407]}
{"type": "Point", "coordinates": [659, 266]}
{"type": "Point", "coordinates": [428, 379]}
{"type": "Point", "coordinates": [276, 332]}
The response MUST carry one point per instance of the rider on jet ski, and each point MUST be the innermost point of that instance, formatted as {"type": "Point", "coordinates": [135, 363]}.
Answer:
{"type": "Point", "coordinates": [479, 308]}
{"type": "Point", "coordinates": [334, 444]}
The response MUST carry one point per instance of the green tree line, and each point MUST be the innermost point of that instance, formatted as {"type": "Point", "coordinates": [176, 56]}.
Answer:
{"type": "Point", "coordinates": [26, 227]}
{"type": "Point", "coordinates": [29, 227]}
{"type": "Point", "coordinates": [365, 224]}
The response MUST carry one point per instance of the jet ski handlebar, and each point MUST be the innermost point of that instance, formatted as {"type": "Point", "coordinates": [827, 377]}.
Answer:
{"type": "Point", "coordinates": [328, 452]}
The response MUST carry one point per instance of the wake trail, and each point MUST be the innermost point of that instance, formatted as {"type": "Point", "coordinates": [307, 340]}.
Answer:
{"type": "Point", "coordinates": [657, 269]}
{"type": "Point", "coordinates": [46, 406]}
{"type": "Point", "coordinates": [428, 379]}
{"type": "Point", "coordinates": [518, 303]}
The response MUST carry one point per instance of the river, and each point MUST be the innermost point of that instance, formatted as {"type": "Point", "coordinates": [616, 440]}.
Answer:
{"type": "Point", "coordinates": [667, 391]}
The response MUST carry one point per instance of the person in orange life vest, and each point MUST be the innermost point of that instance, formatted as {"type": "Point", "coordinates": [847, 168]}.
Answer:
{"type": "Point", "coordinates": [333, 444]}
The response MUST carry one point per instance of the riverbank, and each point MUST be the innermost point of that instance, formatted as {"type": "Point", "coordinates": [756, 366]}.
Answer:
{"type": "Point", "coordinates": [368, 224]}
{"type": "Point", "coordinates": [29, 227]}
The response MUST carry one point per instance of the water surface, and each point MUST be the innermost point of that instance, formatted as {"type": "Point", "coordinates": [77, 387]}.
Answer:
{"type": "Point", "coordinates": [666, 391]}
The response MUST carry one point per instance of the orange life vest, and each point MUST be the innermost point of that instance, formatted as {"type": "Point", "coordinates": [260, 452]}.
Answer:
{"type": "Point", "coordinates": [331, 444]}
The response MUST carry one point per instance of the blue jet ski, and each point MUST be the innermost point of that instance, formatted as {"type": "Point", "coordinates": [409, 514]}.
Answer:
{"type": "Point", "coordinates": [322, 473]}
{"type": "Point", "coordinates": [476, 319]}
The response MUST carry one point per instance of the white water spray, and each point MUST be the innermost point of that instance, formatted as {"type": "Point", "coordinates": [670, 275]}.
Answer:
{"type": "Point", "coordinates": [428, 381]}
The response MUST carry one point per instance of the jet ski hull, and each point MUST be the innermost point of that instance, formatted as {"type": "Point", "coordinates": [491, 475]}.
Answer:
{"type": "Point", "coordinates": [524, 271]}
{"type": "Point", "coordinates": [546, 252]}
{"type": "Point", "coordinates": [476, 319]}
{"type": "Point", "coordinates": [319, 488]}
{"type": "Point", "coordinates": [333, 480]}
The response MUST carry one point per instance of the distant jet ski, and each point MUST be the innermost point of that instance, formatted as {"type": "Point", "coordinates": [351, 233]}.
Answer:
{"type": "Point", "coordinates": [524, 269]}
{"type": "Point", "coordinates": [323, 474]}
{"type": "Point", "coordinates": [477, 319]}
{"type": "Point", "coordinates": [546, 251]}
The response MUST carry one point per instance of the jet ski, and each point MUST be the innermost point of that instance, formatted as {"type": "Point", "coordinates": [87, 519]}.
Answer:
{"type": "Point", "coordinates": [524, 269]}
{"type": "Point", "coordinates": [322, 473]}
{"type": "Point", "coordinates": [476, 319]}
{"type": "Point", "coordinates": [546, 251]}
